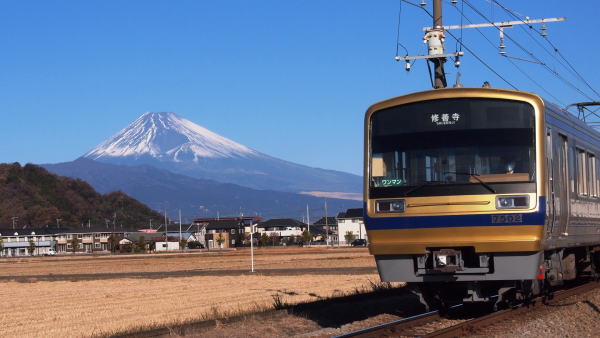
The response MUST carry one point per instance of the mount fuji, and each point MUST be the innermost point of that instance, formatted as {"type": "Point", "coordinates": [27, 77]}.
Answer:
{"type": "Point", "coordinates": [168, 141]}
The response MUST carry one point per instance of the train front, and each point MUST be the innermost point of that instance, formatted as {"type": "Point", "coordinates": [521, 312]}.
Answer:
{"type": "Point", "coordinates": [453, 199]}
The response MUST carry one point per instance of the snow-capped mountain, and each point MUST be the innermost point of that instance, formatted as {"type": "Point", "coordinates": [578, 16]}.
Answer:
{"type": "Point", "coordinates": [168, 141]}
{"type": "Point", "coordinates": [167, 136]}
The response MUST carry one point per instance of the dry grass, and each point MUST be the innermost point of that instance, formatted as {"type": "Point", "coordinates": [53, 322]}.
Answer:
{"type": "Point", "coordinates": [206, 261]}
{"type": "Point", "coordinates": [91, 307]}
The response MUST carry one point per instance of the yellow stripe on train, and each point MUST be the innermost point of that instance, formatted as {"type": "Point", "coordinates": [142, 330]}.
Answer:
{"type": "Point", "coordinates": [483, 238]}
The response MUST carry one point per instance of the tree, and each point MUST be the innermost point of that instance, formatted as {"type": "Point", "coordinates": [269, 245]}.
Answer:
{"type": "Point", "coordinates": [74, 243]}
{"type": "Point", "coordinates": [141, 244]}
{"type": "Point", "coordinates": [182, 244]}
{"type": "Point", "coordinates": [263, 240]}
{"type": "Point", "coordinates": [349, 236]}
{"type": "Point", "coordinates": [195, 245]}
{"type": "Point", "coordinates": [274, 239]}
{"type": "Point", "coordinates": [112, 242]}
{"type": "Point", "coordinates": [1, 246]}
{"type": "Point", "coordinates": [220, 240]}
{"type": "Point", "coordinates": [240, 239]}
{"type": "Point", "coordinates": [306, 236]}
{"type": "Point", "coordinates": [31, 247]}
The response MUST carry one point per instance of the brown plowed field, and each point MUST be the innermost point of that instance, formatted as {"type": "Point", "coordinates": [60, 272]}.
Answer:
{"type": "Point", "coordinates": [85, 295]}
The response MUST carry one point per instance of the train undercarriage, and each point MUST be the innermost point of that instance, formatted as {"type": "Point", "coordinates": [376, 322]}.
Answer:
{"type": "Point", "coordinates": [447, 276]}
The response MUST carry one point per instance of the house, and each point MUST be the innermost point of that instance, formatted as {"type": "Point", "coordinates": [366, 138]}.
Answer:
{"type": "Point", "coordinates": [225, 232]}
{"type": "Point", "coordinates": [26, 243]}
{"type": "Point", "coordinates": [287, 229]}
{"type": "Point", "coordinates": [351, 222]}
{"type": "Point", "coordinates": [42, 240]}
{"type": "Point", "coordinates": [135, 238]}
{"type": "Point", "coordinates": [328, 228]}
{"type": "Point", "coordinates": [87, 242]}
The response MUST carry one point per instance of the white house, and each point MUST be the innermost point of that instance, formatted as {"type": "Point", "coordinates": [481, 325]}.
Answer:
{"type": "Point", "coordinates": [351, 221]}
{"type": "Point", "coordinates": [282, 227]}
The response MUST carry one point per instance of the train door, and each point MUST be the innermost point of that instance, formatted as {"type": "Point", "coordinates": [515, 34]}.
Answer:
{"type": "Point", "coordinates": [561, 186]}
{"type": "Point", "coordinates": [550, 208]}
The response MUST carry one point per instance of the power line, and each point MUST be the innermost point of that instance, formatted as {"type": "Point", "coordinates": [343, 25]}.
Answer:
{"type": "Point", "coordinates": [467, 48]}
{"type": "Point", "coordinates": [555, 73]}
{"type": "Point", "coordinates": [556, 50]}
{"type": "Point", "coordinates": [398, 30]}
{"type": "Point", "coordinates": [509, 60]}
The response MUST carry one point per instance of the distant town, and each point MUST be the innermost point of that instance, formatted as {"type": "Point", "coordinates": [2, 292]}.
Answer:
{"type": "Point", "coordinates": [345, 229]}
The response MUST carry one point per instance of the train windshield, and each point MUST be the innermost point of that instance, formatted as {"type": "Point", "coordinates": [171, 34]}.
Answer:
{"type": "Point", "coordinates": [453, 141]}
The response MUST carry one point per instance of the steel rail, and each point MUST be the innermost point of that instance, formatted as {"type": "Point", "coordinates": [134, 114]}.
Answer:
{"type": "Point", "coordinates": [471, 326]}
{"type": "Point", "coordinates": [400, 324]}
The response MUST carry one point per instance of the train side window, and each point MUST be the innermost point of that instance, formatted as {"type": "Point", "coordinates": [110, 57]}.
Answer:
{"type": "Point", "coordinates": [597, 175]}
{"type": "Point", "coordinates": [572, 167]}
{"type": "Point", "coordinates": [592, 186]}
{"type": "Point", "coordinates": [549, 144]}
{"type": "Point", "coordinates": [566, 167]}
{"type": "Point", "coordinates": [581, 172]}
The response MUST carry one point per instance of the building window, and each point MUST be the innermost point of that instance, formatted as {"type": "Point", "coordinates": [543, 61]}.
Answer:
{"type": "Point", "coordinates": [233, 242]}
{"type": "Point", "coordinates": [232, 231]}
{"type": "Point", "coordinates": [97, 245]}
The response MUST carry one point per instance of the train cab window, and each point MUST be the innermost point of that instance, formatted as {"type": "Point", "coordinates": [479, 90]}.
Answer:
{"type": "Point", "coordinates": [452, 141]}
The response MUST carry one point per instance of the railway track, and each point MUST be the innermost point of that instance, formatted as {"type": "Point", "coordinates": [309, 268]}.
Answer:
{"type": "Point", "coordinates": [417, 325]}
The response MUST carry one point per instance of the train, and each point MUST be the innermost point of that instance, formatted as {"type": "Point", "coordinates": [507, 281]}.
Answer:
{"type": "Point", "coordinates": [480, 195]}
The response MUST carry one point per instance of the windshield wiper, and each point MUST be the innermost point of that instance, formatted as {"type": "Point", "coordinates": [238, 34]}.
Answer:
{"type": "Point", "coordinates": [413, 189]}
{"type": "Point", "coordinates": [476, 177]}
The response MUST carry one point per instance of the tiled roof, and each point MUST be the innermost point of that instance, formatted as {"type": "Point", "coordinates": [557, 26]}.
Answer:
{"type": "Point", "coordinates": [330, 220]}
{"type": "Point", "coordinates": [281, 222]}
{"type": "Point", "coordinates": [351, 213]}
{"type": "Point", "coordinates": [224, 224]}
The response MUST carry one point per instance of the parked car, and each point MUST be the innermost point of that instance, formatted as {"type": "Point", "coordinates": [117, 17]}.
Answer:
{"type": "Point", "coordinates": [51, 252]}
{"type": "Point", "coordinates": [359, 242]}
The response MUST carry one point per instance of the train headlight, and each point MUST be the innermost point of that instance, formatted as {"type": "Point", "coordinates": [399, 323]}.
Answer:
{"type": "Point", "coordinates": [390, 206]}
{"type": "Point", "coordinates": [512, 202]}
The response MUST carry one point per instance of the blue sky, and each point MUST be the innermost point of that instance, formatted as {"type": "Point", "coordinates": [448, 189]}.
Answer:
{"type": "Point", "coordinates": [291, 79]}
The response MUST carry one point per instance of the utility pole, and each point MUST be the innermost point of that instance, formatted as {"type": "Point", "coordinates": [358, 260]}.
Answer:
{"type": "Point", "coordinates": [13, 221]}
{"type": "Point", "coordinates": [326, 223]}
{"type": "Point", "coordinates": [166, 231]}
{"type": "Point", "coordinates": [435, 41]}
{"type": "Point", "coordinates": [435, 38]}
{"type": "Point", "coordinates": [180, 238]}
{"type": "Point", "coordinates": [251, 246]}
{"type": "Point", "coordinates": [308, 221]}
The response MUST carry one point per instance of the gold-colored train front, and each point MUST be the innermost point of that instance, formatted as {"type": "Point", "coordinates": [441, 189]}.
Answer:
{"type": "Point", "coordinates": [455, 220]}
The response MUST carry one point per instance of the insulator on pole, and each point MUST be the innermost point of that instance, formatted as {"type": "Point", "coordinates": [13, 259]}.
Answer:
{"type": "Point", "coordinates": [544, 30]}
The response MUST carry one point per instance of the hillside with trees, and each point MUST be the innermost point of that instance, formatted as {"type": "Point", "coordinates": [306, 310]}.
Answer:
{"type": "Point", "coordinates": [38, 198]}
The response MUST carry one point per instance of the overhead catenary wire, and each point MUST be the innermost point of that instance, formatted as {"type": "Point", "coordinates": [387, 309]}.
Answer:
{"type": "Point", "coordinates": [398, 44]}
{"type": "Point", "coordinates": [511, 61]}
{"type": "Point", "coordinates": [490, 68]}
{"type": "Point", "coordinates": [529, 53]}
{"type": "Point", "coordinates": [570, 67]}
